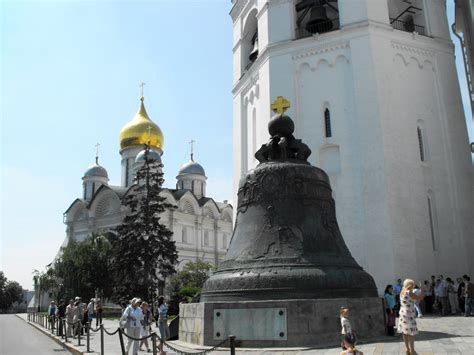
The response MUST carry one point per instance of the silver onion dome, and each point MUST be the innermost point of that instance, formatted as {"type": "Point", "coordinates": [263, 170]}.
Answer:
{"type": "Point", "coordinates": [153, 155]}
{"type": "Point", "coordinates": [192, 167]}
{"type": "Point", "coordinates": [96, 171]}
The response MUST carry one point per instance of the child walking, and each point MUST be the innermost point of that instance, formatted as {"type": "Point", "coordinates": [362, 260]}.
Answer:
{"type": "Point", "coordinates": [349, 344]}
{"type": "Point", "coordinates": [345, 325]}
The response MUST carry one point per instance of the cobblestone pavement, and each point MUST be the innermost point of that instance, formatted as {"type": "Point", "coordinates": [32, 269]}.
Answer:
{"type": "Point", "coordinates": [438, 335]}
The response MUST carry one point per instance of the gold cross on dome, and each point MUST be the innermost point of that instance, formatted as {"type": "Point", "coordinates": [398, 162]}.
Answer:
{"type": "Point", "coordinates": [280, 105]}
{"type": "Point", "coordinates": [142, 86]}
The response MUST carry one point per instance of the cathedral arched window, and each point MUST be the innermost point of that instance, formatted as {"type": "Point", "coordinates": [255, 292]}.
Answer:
{"type": "Point", "coordinates": [432, 224]}
{"type": "Point", "coordinates": [420, 143]}
{"type": "Point", "coordinates": [184, 235]}
{"type": "Point", "coordinates": [327, 123]}
{"type": "Point", "coordinates": [206, 238]}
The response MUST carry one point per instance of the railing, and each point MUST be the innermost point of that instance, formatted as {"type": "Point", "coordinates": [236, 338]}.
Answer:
{"type": "Point", "coordinates": [407, 26]}
{"type": "Point", "coordinates": [58, 327]}
{"type": "Point", "coordinates": [327, 26]}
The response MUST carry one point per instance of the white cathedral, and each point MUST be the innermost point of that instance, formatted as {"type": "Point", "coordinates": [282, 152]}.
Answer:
{"type": "Point", "coordinates": [375, 94]}
{"type": "Point", "coordinates": [201, 226]}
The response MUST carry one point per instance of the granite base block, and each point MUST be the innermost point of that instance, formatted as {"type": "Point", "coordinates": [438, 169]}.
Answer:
{"type": "Point", "coordinates": [282, 323]}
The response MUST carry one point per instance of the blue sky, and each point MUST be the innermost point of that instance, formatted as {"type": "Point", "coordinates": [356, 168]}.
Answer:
{"type": "Point", "coordinates": [70, 78]}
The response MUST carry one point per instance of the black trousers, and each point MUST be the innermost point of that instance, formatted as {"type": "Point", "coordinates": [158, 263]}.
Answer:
{"type": "Point", "coordinates": [429, 304]}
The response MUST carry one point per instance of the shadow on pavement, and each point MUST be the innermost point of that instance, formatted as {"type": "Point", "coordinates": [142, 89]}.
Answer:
{"type": "Point", "coordinates": [421, 336]}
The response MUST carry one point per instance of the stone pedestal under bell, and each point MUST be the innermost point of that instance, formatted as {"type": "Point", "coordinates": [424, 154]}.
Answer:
{"type": "Point", "coordinates": [283, 323]}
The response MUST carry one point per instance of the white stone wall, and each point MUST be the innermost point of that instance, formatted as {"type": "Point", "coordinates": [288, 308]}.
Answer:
{"type": "Point", "coordinates": [379, 84]}
{"type": "Point", "coordinates": [106, 212]}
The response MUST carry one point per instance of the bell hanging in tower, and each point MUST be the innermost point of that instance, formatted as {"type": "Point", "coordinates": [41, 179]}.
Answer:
{"type": "Point", "coordinates": [286, 242]}
{"type": "Point", "coordinates": [319, 21]}
{"type": "Point", "coordinates": [254, 53]}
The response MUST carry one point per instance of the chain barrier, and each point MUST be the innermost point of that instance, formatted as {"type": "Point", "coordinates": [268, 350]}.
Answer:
{"type": "Point", "coordinates": [41, 320]}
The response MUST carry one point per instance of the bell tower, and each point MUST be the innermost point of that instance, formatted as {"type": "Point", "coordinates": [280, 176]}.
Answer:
{"type": "Point", "coordinates": [375, 96]}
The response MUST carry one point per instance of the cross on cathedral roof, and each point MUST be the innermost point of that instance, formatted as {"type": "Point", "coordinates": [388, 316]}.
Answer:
{"type": "Point", "coordinates": [280, 105]}
{"type": "Point", "coordinates": [97, 153]}
{"type": "Point", "coordinates": [191, 143]}
{"type": "Point", "coordinates": [142, 85]}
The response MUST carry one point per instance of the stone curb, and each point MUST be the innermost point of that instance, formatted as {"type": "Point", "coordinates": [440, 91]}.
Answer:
{"type": "Point", "coordinates": [74, 350]}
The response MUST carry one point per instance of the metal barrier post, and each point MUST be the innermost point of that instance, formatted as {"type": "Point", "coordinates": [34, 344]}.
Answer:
{"type": "Point", "coordinates": [122, 346]}
{"type": "Point", "coordinates": [88, 325]}
{"type": "Point", "coordinates": [153, 340]}
{"type": "Point", "coordinates": [101, 339]}
{"type": "Point", "coordinates": [232, 344]}
{"type": "Point", "coordinates": [79, 333]}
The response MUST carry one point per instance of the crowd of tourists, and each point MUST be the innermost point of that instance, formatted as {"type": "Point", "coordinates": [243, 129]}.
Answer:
{"type": "Point", "coordinates": [441, 296]}
{"type": "Point", "coordinates": [404, 302]}
{"type": "Point", "coordinates": [77, 315]}
{"type": "Point", "coordinates": [137, 318]}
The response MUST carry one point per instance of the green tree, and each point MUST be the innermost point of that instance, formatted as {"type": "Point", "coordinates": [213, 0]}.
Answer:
{"type": "Point", "coordinates": [188, 283]}
{"type": "Point", "coordinates": [83, 269]}
{"type": "Point", "coordinates": [10, 292]}
{"type": "Point", "coordinates": [144, 252]}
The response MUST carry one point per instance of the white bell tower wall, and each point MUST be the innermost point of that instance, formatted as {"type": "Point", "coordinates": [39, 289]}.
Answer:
{"type": "Point", "coordinates": [399, 215]}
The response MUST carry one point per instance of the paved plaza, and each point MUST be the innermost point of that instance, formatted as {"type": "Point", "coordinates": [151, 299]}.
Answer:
{"type": "Point", "coordinates": [438, 335]}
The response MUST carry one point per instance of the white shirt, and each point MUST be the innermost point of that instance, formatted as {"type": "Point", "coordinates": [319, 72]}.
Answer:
{"type": "Point", "coordinates": [345, 325]}
{"type": "Point", "coordinates": [443, 288]}
{"type": "Point", "coordinates": [136, 313]}
{"type": "Point", "coordinates": [90, 308]}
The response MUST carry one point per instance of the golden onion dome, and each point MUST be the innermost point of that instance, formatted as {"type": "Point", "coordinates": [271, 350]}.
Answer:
{"type": "Point", "coordinates": [141, 130]}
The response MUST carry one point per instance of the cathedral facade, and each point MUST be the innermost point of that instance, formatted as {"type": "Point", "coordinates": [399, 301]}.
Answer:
{"type": "Point", "coordinates": [201, 226]}
{"type": "Point", "coordinates": [374, 93]}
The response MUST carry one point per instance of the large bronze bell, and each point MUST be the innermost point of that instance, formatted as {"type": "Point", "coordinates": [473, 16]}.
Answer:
{"type": "Point", "coordinates": [286, 242]}
{"type": "Point", "coordinates": [319, 21]}
{"type": "Point", "coordinates": [254, 53]}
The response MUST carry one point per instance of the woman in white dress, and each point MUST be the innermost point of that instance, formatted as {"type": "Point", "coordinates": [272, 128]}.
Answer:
{"type": "Point", "coordinates": [407, 320]}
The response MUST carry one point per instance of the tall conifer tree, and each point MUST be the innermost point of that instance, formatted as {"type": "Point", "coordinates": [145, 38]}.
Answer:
{"type": "Point", "coordinates": [144, 252]}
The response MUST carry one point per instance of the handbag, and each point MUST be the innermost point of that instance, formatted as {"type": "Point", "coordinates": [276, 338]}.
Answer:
{"type": "Point", "coordinates": [124, 319]}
